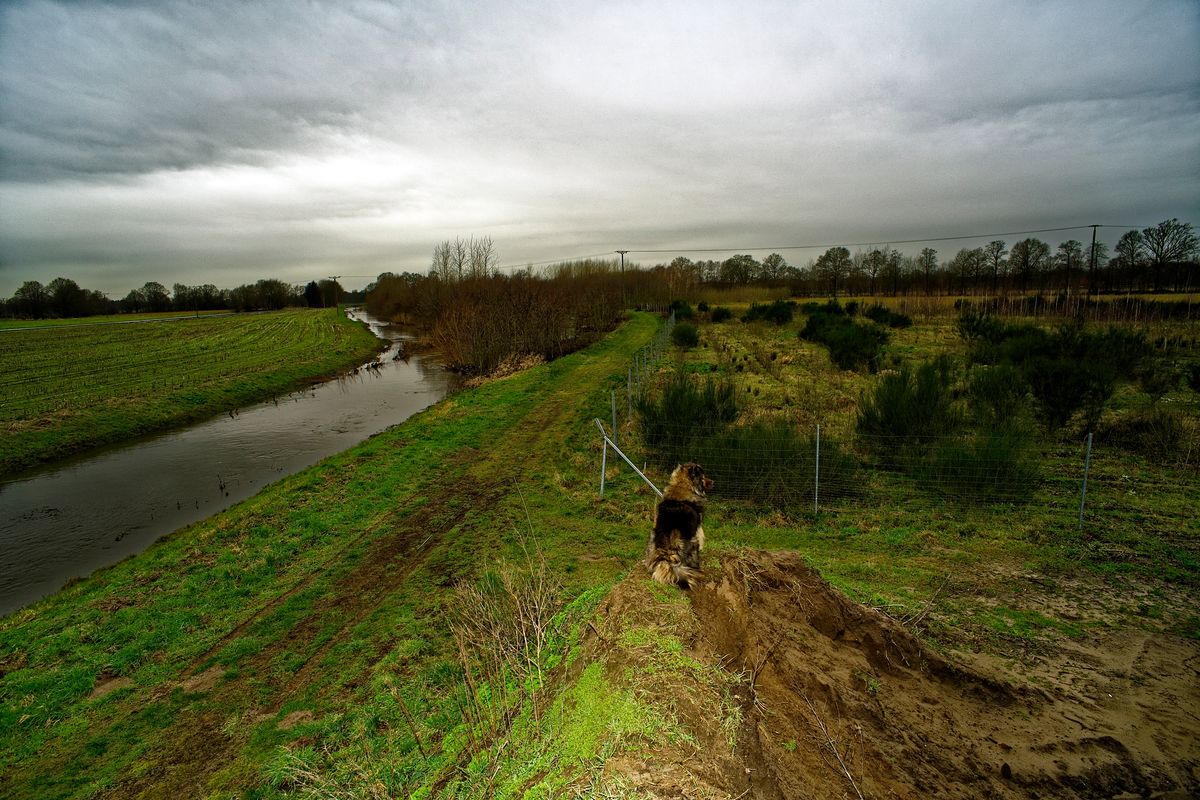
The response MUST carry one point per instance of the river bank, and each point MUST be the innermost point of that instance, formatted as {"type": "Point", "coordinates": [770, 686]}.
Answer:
{"type": "Point", "coordinates": [63, 521]}
{"type": "Point", "coordinates": [70, 388]}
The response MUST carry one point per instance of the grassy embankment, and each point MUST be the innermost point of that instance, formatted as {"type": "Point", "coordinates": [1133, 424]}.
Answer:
{"type": "Point", "coordinates": [67, 388]}
{"type": "Point", "coordinates": [293, 598]}
{"type": "Point", "coordinates": [300, 639]}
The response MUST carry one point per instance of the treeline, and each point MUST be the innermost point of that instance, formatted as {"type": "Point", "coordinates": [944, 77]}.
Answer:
{"type": "Point", "coordinates": [478, 318]}
{"type": "Point", "coordinates": [63, 298]}
{"type": "Point", "coordinates": [1160, 258]}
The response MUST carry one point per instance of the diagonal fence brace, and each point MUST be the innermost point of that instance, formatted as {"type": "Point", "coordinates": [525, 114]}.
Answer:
{"type": "Point", "coordinates": [608, 442]}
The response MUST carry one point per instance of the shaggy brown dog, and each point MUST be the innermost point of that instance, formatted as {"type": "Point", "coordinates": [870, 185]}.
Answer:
{"type": "Point", "coordinates": [673, 554]}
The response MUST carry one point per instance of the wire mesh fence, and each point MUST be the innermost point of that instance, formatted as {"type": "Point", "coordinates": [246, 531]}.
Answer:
{"type": "Point", "coordinates": [638, 375]}
{"type": "Point", "coordinates": [770, 460]}
{"type": "Point", "coordinates": [783, 466]}
{"type": "Point", "coordinates": [1104, 488]}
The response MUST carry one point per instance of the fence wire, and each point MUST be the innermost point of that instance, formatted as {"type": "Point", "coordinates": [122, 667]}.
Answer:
{"type": "Point", "coordinates": [816, 470]}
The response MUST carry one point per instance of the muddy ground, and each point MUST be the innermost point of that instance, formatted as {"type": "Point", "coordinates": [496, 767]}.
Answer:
{"type": "Point", "coordinates": [831, 699]}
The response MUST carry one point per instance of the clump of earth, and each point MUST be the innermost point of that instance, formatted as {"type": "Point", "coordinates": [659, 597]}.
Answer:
{"type": "Point", "coordinates": [832, 699]}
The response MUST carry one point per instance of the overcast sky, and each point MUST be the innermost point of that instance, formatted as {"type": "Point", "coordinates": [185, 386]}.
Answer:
{"type": "Point", "coordinates": [221, 142]}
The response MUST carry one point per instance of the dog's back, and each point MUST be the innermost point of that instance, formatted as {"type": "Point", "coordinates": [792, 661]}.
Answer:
{"type": "Point", "coordinates": [673, 553]}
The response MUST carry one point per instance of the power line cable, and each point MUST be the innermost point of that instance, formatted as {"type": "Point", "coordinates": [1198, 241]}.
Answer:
{"type": "Point", "coordinates": [518, 264]}
{"type": "Point", "coordinates": [566, 260]}
{"type": "Point", "coordinates": [880, 241]}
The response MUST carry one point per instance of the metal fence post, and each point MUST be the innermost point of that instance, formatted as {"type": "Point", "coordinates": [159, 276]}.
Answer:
{"type": "Point", "coordinates": [616, 438]}
{"type": "Point", "coordinates": [1087, 463]}
{"type": "Point", "coordinates": [629, 393]}
{"type": "Point", "coordinates": [817, 475]}
{"type": "Point", "coordinates": [603, 460]}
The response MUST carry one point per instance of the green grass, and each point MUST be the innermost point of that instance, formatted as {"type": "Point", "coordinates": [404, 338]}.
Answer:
{"type": "Point", "coordinates": [6, 324]}
{"type": "Point", "coordinates": [71, 387]}
{"type": "Point", "coordinates": [301, 595]}
{"type": "Point", "coordinates": [1141, 520]}
{"type": "Point", "coordinates": [325, 596]}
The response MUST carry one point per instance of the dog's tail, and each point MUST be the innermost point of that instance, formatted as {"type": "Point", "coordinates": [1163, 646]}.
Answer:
{"type": "Point", "coordinates": [665, 569]}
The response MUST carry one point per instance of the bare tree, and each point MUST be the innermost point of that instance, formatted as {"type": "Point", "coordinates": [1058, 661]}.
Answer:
{"type": "Point", "coordinates": [30, 300]}
{"type": "Point", "coordinates": [682, 275]}
{"type": "Point", "coordinates": [967, 264]}
{"type": "Point", "coordinates": [65, 297]}
{"type": "Point", "coordinates": [872, 264]}
{"type": "Point", "coordinates": [1167, 242]}
{"type": "Point", "coordinates": [1028, 257]}
{"type": "Point", "coordinates": [329, 290]}
{"type": "Point", "coordinates": [891, 267]}
{"type": "Point", "coordinates": [458, 258]}
{"type": "Point", "coordinates": [483, 257]}
{"type": "Point", "coordinates": [1070, 253]}
{"type": "Point", "coordinates": [906, 267]}
{"type": "Point", "coordinates": [833, 265]}
{"type": "Point", "coordinates": [774, 267]}
{"type": "Point", "coordinates": [994, 253]}
{"type": "Point", "coordinates": [443, 262]}
{"type": "Point", "coordinates": [927, 261]}
{"type": "Point", "coordinates": [741, 268]}
{"type": "Point", "coordinates": [465, 258]}
{"type": "Point", "coordinates": [1131, 249]}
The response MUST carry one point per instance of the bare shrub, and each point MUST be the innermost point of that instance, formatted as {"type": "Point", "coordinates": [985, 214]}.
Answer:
{"type": "Point", "coordinates": [479, 321]}
{"type": "Point", "coordinates": [502, 626]}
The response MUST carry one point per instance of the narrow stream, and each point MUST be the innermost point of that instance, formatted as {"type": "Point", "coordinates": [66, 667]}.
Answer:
{"type": "Point", "coordinates": [67, 520]}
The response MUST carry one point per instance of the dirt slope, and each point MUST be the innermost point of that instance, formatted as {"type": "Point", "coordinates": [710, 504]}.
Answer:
{"type": "Point", "coordinates": [837, 700]}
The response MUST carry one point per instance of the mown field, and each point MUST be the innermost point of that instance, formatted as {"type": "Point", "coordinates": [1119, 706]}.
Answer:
{"type": "Point", "coordinates": [66, 388]}
{"type": "Point", "coordinates": [311, 641]}
{"type": "Point", "coordinates": [7, 324]}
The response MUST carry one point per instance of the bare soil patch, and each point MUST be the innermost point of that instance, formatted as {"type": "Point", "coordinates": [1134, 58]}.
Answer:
{"type": "Point", "coordinates": [839, 700]}
{"type": "Point", "coordinates": [204, 681]}
{"type": "Point", "coordinates": [293, 719]}
{"type": "Point", "coordinates": [107, 684]}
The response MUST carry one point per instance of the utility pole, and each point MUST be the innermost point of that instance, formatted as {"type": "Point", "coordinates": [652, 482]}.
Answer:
{"type": "Point", "coordinates": [334, 278]}
{"type": "Point", "coordinates": [1092, 262]}
{"type": "Point", "coordinates": [624, 299]}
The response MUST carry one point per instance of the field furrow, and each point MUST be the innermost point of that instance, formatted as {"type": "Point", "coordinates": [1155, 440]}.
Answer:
{"type": "Point", "coordinates": [65, 389]}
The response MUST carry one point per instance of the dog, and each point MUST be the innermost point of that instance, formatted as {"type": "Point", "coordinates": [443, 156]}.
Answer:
{"type": "Point", "coordinates": [673, 553]}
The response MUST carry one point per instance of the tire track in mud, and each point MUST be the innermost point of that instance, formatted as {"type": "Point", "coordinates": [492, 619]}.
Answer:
{"type": "Point", "coordinates": [278, 600]}
{"type": "Point", "coordinates": [199, 745]}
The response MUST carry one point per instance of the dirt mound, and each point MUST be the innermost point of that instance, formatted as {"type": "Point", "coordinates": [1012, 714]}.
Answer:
{"type": "Point", "coordinates": [837, 700]}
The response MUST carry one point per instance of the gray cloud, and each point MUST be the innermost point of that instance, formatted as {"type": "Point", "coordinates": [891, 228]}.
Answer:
{"type": "Point", "coordinates": [92, 88]}
{"type": "Point", "coordinates": [226, 141]}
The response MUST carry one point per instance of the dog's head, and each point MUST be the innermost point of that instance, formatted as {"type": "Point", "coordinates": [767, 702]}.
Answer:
{"type": "Point", "coordinates": [693, 473]}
